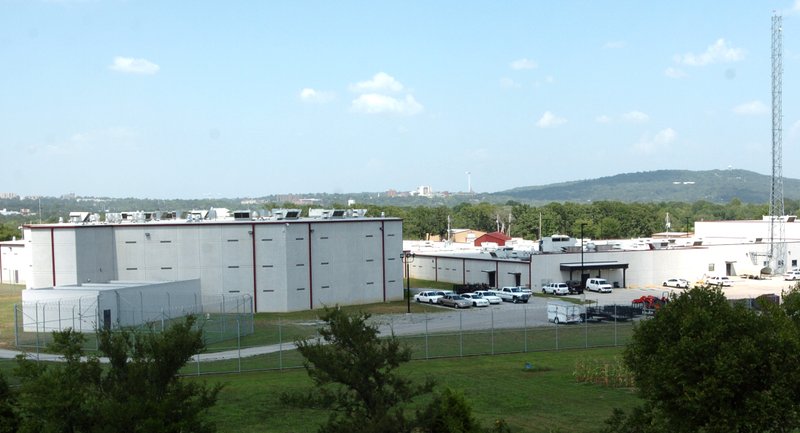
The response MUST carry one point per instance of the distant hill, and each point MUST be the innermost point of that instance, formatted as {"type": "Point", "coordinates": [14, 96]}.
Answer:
{"type": "Point", "coordinates": [718, 186]}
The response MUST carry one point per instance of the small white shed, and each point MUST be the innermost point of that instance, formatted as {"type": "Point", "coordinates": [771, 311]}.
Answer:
{"type": "Point", "coordinates": [90, 306]}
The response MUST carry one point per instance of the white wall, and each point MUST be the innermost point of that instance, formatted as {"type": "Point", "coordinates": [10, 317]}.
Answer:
{"type": "Point", "coordinates": [351, 261]}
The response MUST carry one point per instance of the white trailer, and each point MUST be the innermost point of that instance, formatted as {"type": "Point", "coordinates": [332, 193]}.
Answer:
{"type": "Point", "coordinates": [564, 312]}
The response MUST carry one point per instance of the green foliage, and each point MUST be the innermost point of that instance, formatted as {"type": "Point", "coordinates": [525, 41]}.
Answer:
{"type": "Point", "coordinates": [9, 231]}
{"type": "Point", "coordinates": [449, 412]}
{"type": "Point", "coordinates": [138, 392]}
{"type": "Point", "coordinates": [355, 375]}
{"type": "Point", "coordinates": [9, 422]}
{"type": "Point", "coordinates": [703, 365]}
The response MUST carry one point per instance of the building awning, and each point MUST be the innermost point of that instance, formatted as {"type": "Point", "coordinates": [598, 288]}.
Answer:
{"type": "Point", "coordinates": [586, 266]}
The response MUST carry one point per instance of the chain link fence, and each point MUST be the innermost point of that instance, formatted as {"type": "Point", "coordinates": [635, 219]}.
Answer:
{"type": "Point", "coordinates": [224, 319]}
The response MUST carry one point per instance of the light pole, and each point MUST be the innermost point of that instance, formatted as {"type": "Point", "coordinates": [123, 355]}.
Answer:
{"type": "Point", "coordinates": [408, 257]}
{"type": "Point", "coordinates": [582, 224]}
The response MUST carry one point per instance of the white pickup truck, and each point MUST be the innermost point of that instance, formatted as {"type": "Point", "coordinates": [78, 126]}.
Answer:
{"type": "Point", "coordinates": [512, 294]}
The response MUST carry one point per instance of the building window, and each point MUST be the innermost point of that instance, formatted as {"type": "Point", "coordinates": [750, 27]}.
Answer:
{"type": "Point", "coordinates": [710, 267]}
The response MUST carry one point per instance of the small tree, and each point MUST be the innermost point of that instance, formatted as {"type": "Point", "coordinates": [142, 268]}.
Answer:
{"type": "Point", "coordinates": [355, 373]}
{"type": "Point", "coordinates": [138, 392]}
{"type": "Point", "coordinates": [449, 412]}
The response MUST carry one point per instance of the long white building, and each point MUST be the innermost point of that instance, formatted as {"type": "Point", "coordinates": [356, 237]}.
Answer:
{"type": "Point", "coordinates": [729, 248]}
{"type": "Point", "coordinates": [287, 264]}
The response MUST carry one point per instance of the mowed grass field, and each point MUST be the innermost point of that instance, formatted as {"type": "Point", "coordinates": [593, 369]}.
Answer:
{"type": "Point", "coordinates": [546, 398]}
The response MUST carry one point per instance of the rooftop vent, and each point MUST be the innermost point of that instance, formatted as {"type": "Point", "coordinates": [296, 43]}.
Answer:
{"type": "Point", "coordinates": [240, 215]}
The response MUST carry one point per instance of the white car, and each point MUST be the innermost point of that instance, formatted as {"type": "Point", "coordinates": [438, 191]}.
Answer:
{"type": "Point", "coordinates": [720, 281]}
{"type": "Point", "coordinates": [556, 289]}
{"type": "Point", "coordinates": [429, 296]}
{"type": "Point", "coordinates": [489, 296]}
{"type": "Point", "coordinates": [598, 285]}
{"type": "Point", "coordinates": [676, 282]}
{"type": "Point", "coordinates": [792, 276]}
{"type": "Point", "coordinates": [476, 299]}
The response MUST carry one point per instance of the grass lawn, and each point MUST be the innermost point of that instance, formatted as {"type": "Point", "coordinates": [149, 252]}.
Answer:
{"type": "Point", "coordinates": [10, 294]}
{"type": "Point", "coordinates": [546, 398]}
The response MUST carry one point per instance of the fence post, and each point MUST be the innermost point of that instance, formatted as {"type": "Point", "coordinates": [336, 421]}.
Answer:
{"type": "Point", "coordinates": [426, 336]}
{"type": "Point", "coordinates": [37, 330]}
{"type": "Point", "coordinates": [557, 345]}
{"type": "Point", "coordinates": [80, 315]}
{"type": "Point", "coordinates": [280, 345]}
{"type": "Point", "coordinates": [460, 335]}
{"type": "Point", "coordinates": [615, 325]}
{"type": "Point", "coordinates": [16, 326]}
{"type": "Point", "coordinates": [59, 315]}
{"type": "Point", "coordinates": [491, 326]}
{"type": "Point", "coordinates": [586, 332]}
{"type": "Point", "coordinates": [525, 328]}
{"type": "Point", "coordinates": [238, 347]}
{"type": "Point", "coordinates": [197, 357]}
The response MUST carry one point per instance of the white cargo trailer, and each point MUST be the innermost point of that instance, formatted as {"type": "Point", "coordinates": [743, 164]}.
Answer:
{"type": "Point", "coordinates": [564, 312]}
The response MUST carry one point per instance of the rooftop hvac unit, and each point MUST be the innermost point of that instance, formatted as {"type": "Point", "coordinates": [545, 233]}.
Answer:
{"type": "Point", "coordinates": [338, 213]}
{"type": "Point", "coordinates": [79, 217]}
{"type": "Point", "coordinates": [286, 213]}
{"type": "Point", "coordinates": [320, 213]}
{"type": "Point", "coordinates": [241, 215]}
{"type": "Point", "coordinates": [358, 213]}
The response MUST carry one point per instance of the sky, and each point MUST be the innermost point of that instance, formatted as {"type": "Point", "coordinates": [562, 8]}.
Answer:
{"type": "Point", "coordinates": [212, 99]}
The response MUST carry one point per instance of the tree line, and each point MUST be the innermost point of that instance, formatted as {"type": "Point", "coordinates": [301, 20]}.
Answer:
{"type": "Point", "coordinates": [600, 219]}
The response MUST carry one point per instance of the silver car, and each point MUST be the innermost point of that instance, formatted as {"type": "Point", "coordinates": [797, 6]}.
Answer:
{"type": "Point", "coordinates": [455, 301]}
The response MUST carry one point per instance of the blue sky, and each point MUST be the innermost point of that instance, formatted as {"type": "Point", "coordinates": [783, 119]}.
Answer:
{"type": "Point", "coordinates": [241, 99]}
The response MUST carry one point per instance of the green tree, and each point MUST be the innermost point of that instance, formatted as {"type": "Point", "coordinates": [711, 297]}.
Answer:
{"type": "Point", "coordinates": [355, 375]}
{"type": "Point", "coordinates": [449, 412]}
{"type": "Point", "coordinates": [704, 365]}
{"type": "Point", "coordinates": [139, 391]}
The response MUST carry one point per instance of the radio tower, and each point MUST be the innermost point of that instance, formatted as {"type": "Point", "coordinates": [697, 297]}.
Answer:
{"type": "Point", "coordinates": [777, 244]}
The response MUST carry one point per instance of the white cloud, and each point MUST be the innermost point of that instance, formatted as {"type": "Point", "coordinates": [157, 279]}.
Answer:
{"type": "Point", "coordinates": [374, 103]}
{"type": "Point", "coordinates": [521, 64]}
{"type": "Point", "coordinates": [380, 82]}
{"type": "Point", "coordinates": [751, 108]}
{"type": "Point", "coordinates": [89, 142]}
{"type": "Point", "coordinates": [674, 73]}
{"type": "Point", "coordinates": [657, 143]}
{"type": "Point", "coordinates": [717, 52]}
{"type": "Point", "coordinates": [129, 65]}
{"type": "Point", "coordinates": [508, 83]}
{"type": "Point", "coordinates": [311, 95]}
{"type": "Point", "coordinates": [550, 120]}
{"type": "Point", "coordinates": [602, 119]}
{"type": "Point", "coordinates": [635, 117]}
{"type": "Point", "coordinates": [614, 45]}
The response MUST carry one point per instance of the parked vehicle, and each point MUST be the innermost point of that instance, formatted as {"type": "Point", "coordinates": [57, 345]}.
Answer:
{"type": "Point", "coordinates": [489, 296]}
{"type": "Point", "coordinates": [455, 301]}
{"type": "Point", "coordinates": [428, 296]}
{"type": "Point", "coordinates": [556, 289]}
{"type": "Point", "coordinates": [792, 276]}
{"type": "Point", "coordinates": [575, 287]}
{"type": "Point", "coordinates": [719, 281]}
{"type": "Point", "coordinates": [564, 312]}
{"type": "Point", "coordinates": [676, 282]}
{"type": "Point", "coordinates": [598, 285]}
{"type": "Point", "coordinates": [476, 299]}
{"type": "Point", "coordinates": [512, 294]}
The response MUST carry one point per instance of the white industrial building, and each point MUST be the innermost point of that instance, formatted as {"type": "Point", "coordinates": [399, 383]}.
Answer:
{"type": "Point", "coordinates": [284, 262]}
{"type": "Point", "coordinates": [91, 306]}
{"type": "Point", "coordinates": [14, 262]}
{"type": "Point", "coordinates": [732, 248]}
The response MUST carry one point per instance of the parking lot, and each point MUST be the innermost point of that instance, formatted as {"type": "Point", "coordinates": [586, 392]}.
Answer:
{"type": "Point", "coordinates": [534, 313]}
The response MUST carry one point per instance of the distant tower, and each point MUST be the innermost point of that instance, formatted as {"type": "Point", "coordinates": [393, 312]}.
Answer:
{"type": "Point", "coordinates": [469, 183]}
{"type": "Point", "coordinates": [777, 244]}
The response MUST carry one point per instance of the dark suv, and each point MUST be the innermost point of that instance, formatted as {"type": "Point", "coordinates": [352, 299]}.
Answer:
{"type": "Point", "coordinates": [575, 287]}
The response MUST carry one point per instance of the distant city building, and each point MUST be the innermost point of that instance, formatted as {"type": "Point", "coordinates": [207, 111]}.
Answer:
{"type": "Point", "coordinates": [423, 191]}
{"type": "Point", "coordinates": [8, 196]}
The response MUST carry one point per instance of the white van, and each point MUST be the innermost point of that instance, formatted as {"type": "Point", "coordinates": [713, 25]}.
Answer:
{"type": "Point", "coordinates": [598, 285]}
{"type": "Point", "coordinates": [564, 312]}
